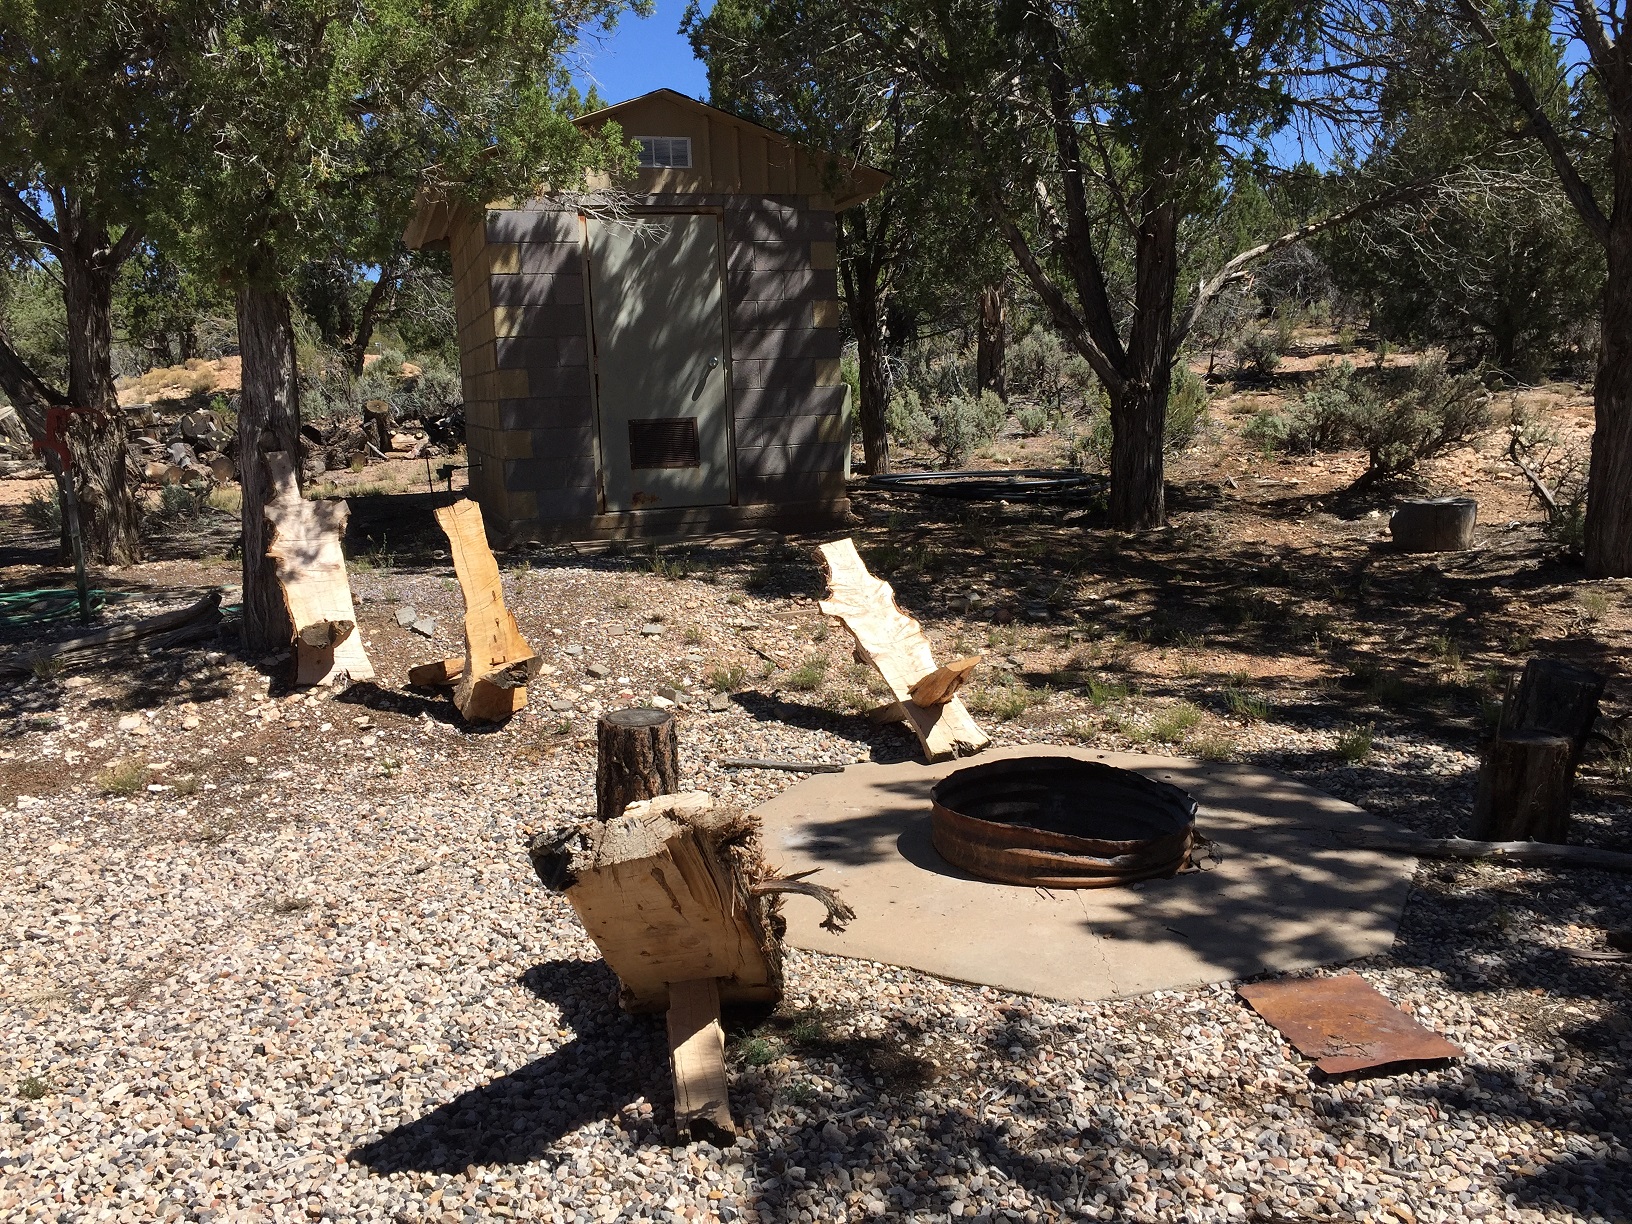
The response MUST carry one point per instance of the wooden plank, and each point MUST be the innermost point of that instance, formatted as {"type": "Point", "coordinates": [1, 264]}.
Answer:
{"type": "Point", "coordinates": [942, 684]}
{"type": "Point", "coordinates": [498, 661]}
{"type": "Point", "coordinates": [437, 674]}
{"type": "Point", "coordinates": [894, 643]}
{"type": "Point", "coordinates": [311, 569]}
{"type": "Point", "coordinates": [702, 1109]}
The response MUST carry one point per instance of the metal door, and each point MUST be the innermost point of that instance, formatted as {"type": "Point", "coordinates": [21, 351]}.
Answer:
{"type": "Point", "coordinates": [660, 361]}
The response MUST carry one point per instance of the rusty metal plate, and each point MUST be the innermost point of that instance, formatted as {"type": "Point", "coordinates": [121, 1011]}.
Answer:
{"type": "Point", "coordinates": [1344, 1023]}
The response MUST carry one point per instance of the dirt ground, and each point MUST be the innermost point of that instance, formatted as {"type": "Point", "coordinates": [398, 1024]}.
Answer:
{"type": "Point", "coordinates": [1270, 621]}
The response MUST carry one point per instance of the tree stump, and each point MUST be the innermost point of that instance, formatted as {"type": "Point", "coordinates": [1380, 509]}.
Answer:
{"type": "Point", "coordinates": [637, 757]}
{"type": "Point", "coordinates": [1434, 524]}
{"type": "Point", "coordinates": [1524, 789]}
{"type": "Point", "coordinates": [1555, 698]}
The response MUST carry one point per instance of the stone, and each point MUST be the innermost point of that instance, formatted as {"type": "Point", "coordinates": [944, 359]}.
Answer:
{"type": "Point", "coordinates": [668, 692]}
{"type": "Point", "coordinates": [652, 630]}
{"type": "Point", "coordinates": [599, 670]}
{"type": "Point", "coordinates": [562, 706]}
{"type": "Point", "coordinates": [662, 703]}
{"type": "Point", "coordinates": [407, 615]}
{"type": "Point", "coordinates": [425, 626]}
{"type": "Point", "coordinates": [130, 722]}
{"type": "Point", "coordinates": [719, 702]}
{"type": "Point", "coordinates": [190, 723]}
{"type": "Point", "coordinates": [572, 651]}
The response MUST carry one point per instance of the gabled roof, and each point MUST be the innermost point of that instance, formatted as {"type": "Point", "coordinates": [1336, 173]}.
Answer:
{"type": "Point", "coordinates": [729, 156]}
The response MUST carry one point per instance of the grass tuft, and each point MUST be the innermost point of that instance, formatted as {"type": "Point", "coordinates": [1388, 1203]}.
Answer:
{"type": "Point", "coordinates": [808, 676]}
{"type": "Point", "coordinates": [123, 778]}
{"type": "Point", "coordinates": [1354, 744]}
{"type": "Point", "coordinates": [1174, 723]}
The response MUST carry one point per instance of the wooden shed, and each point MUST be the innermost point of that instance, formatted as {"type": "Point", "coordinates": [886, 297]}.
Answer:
{"type": "Point", "coordinates": [671, 369]}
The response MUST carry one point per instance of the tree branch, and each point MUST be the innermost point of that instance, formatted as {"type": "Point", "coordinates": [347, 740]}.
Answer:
{"type": "Point", "coordinates": [1236, 268]}
{"type": "Point", "coordinates": [1575, 187]}
{"type": "Point", "coordinates": [12, 201]}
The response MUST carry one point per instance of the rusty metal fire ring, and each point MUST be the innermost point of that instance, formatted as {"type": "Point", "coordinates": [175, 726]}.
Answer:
{"type": "Point", "coordinates": [1057, 822]}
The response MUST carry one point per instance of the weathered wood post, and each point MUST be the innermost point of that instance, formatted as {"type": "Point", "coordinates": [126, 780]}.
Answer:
{"type": "Point", "coordinates": [1529, 771]}
{"type": "Point", "coordinates": [1524, 789]}
{"type": "Point", "coordinates": [1434, 524]}
{"type": "Point", "coordinates": [637, 757]}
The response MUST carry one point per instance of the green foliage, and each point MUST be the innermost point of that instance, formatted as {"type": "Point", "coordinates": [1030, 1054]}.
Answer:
{"type": "Point", "coordinates": [1186, 408]}
{"type": "Point", "coordinates": [123, 778]}
{"type": "Point", "coordinates": [1171, 725]}
{"type": "Point", "coordinates": [808, 676]}
{"type": "Point", "coordinates": [1398, 416]}
{"type": "Point", "coordinates": [955, 427]}
{"type": "Point", "coordinates": [182, 503]}
{"type": "Point", "coordinates": [1354, 744]}
{"type": "Point", "coordinates": [727, 679]}
{"type": "Point", "coordinates": [1258, 353]}
{"type": "Point", "coordinates": [1043, 366]}
{"type": "Point", "coordinates": [42, 510]}
{"type": "Point", "coordinates": [169, 313]}
{"type": "Point", "coordinates": [32, 319]}
{"type": "Point", "coordinates": [33, 1088]}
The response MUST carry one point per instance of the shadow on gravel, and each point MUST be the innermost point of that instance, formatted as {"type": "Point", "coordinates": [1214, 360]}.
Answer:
{"type": "Point", "coordinates": [614, 1060]}
{"type": "Point", "coordinates": [885, 750]}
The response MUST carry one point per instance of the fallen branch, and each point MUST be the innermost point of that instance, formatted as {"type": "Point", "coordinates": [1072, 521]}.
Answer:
{"type": "Point", "coordinates": [787, 766]}
{"type": "Point", "coordinates": [1517, 853]}
{"type": "Point", "coordinates": [1543, 493]}
{"type": "Point", "coordinates": [838, 913]}
{"type": "Point", "coordinates": [156, 632]}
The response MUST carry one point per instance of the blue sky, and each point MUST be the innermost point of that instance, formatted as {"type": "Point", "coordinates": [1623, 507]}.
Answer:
{"type": "Point", "coordinates": [644, 54]}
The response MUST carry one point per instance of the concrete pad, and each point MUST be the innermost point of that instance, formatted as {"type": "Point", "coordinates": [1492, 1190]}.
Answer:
{"type": "Point", "coordinates": [1283, 892]}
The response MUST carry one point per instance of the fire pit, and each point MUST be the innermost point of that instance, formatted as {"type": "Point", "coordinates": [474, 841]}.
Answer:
{"type": "Point", "coordinates": [1057, 822]}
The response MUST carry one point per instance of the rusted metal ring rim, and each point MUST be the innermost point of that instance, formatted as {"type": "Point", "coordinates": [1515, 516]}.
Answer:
{"type": "Point", "coordinates": [1013, 851]}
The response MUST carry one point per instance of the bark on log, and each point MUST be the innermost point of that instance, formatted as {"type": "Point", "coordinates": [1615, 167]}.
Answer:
{"type": "Point", "coordinates": [1434, 524]}
{"type": "Point", "coordinates": [1554, 698]}
{"type": "Point", "coordinates": [637, 757]}
{"type": "Point", "coordinates": [1524, 789]}
{"type": "Point", "coordinates": [188, 624]}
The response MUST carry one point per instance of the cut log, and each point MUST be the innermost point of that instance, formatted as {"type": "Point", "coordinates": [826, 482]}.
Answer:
{"type": "Point", "coordinates": [666, 892]}
{"type": "Point", "coordinates": [1434, 524]}
{"type": "Point", "coordinates": [785, 766]}
{"type": "Point", "coordinates": [942, 684]}
{"type": "Point", "coordinates": [311, 569]}
{"type": "Point", "coordinates": [889, 712]}
{"type": "Point", "coordinates": [167, 629]}
{"type": "Point", "coordinates": [438, 674]}
{"type": "Point", "coordinates": [498, 662]}
{"type": "Point", "coordinates": [1515, 853]}
{"type": "Point", "coordinates": [702, 1111]}
{"type": "Point", "coordinates": [894, 643]}
{"type": "Point", "coordinates": [1524, 789]}
{"type": "Point", "coordinates": [1554, 698]}
{"type": "Point", "coordinates": [637, 757]}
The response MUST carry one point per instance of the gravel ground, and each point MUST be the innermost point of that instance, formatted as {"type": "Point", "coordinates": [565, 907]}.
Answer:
{"type": "Point", "coordinates": [300, 967]}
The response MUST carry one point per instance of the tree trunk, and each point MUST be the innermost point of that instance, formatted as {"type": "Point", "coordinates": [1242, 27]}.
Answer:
{"type": "Point", "coordinates": [109, 516]}
{"type": "Point", "coordinates": [992, 342]}
{"type": "Point", "coordinates": [1553, 697]}
{"type": "Point", "coordinates": [1434, 524]}
{"type": "Point", "coordinates": [1608, 544]}
{"type": "Point", "coordinates": [1524, 789]}
{"type": "Point", "coordinates": [1139, 408]}
{"type": "Point", "coordinates": [637, 757]}
{"type": "Point", "coordinates": [860, 280]}
{"type": "Point", "coordinates": [1138, 418]}
{"type": "Point", "coordinates": [268, 420]}
{"type": "Point", "coordinates": [379, 298]}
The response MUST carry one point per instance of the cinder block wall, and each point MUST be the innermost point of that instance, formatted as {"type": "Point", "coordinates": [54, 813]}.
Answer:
{"type": "Point", "coordinates": [524, 344]}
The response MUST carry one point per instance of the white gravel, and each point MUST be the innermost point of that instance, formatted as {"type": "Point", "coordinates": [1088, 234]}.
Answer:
{"type": "Point", "coordinates": [316, 979]}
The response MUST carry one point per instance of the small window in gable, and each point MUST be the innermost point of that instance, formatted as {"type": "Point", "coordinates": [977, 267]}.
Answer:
{"type": "Point", "coordinates": [665, 152]}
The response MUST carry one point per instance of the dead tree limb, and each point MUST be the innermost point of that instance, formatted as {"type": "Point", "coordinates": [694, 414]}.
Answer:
{"type": "Point", "coordinates": [1518, 854]}
{"type": "Point", "coordinates": [839, 915]}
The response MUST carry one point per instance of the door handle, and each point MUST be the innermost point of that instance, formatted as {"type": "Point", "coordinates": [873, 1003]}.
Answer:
{"type": "Point", "coordinates": [713, 364]}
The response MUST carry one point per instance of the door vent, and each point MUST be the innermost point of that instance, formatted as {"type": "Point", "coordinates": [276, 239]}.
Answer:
{"type": "Point", "coordinates": [668, 443]}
